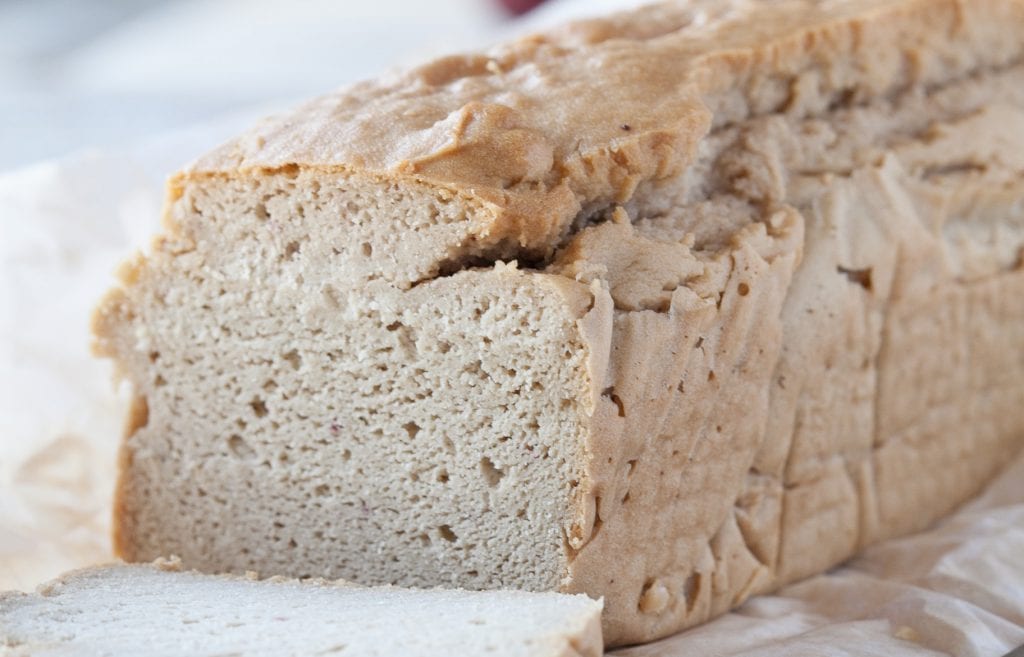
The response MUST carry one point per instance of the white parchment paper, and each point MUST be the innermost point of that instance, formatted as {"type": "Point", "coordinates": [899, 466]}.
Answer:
{"type": "Point", "coordinates": [957, 589]}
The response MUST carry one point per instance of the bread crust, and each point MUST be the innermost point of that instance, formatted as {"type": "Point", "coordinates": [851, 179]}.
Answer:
{"type": "Point", "coordinates": [546, 127]}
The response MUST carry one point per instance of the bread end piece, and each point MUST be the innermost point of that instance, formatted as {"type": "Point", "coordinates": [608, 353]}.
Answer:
{"type": "Point", "coordinates": [160, 609]}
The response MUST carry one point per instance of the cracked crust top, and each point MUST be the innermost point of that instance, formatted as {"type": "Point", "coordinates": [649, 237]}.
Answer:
{"type": "Point", "coordinates": [543, 128]}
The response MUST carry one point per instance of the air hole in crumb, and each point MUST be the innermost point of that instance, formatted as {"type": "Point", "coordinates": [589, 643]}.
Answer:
{"type": "Point", "coordinates": [424, 539]}
{"type": "Point", "coordinates": [442, 476]}
{"type": "Point", "coordinates": [743, 289]}
{"type": "Point", "coordinates": [261, 212]}
{"type": "Point", "coordinates": [492, 474]}
{"type": "Point", "coordinates": [625, 498]}
{"type": "Point", "coordinates": [159, 381]}
{"type": "Point", "coordinates": [270, 385]}
{"type": "Point", "coordinates": [598, 523]}
{"type": "Point", "coordinates": [861, 277]}
{"type": "Point", "coordinates": [291, 250]}
{"type": "Point", "coordinates": [448, 445]}
{"type": "Point", "coordinates": [346, 455]}
{"type": "Point", "coordinates": [258, 407]}
{"type": "Point", "coordinates": [610, 393]}
{"type": "Point", "coordinates": [240, 448]}
{"type": "Point", "coordinates": [322, 490]}
{"type": "Point", "coordinates": [654, 597]}
{"type": "Point", "coordinates": [444, 347]}
{"type": "Point", "coordinates": [521, 513]}
{"type": "Point", "coordinates": [711, 375]}
{"type": "Point", "coordinates": [293, 359]}
{"type": "Point", "coordinates": [447, 534]}
{"type": "Point", "coordinates": [154, 356]}
{"type": "Point", "coordinates": [292, 544]}
{"type": "Point", "coordinates": [367, 249]}
{"type": "Point", "coordinates": [691, 590]}
{"type": "Point", "coordinates": [681, 387]}
{"type": "Point", "coordinates": [411, 428]}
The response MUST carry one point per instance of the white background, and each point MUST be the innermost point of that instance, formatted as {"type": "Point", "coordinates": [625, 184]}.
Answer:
{"type": "Point", "coordinates": [76, 74]}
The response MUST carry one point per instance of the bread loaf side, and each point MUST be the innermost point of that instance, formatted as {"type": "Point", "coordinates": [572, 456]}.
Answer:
{"type": "Point", "coordinates": [671, 307]}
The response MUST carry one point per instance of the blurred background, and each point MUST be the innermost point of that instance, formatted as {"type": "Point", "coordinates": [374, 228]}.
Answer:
{"type": "Point", "coordinates": [77, 74]}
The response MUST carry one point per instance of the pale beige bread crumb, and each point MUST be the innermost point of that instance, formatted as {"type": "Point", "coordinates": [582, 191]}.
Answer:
{"type": "Point", "coordinates": [160, 610]}
{"type": "Point", "coordinates": [671, 308]}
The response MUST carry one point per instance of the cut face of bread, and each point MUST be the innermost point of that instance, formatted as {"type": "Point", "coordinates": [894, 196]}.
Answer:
{"type": "Point", "coordinates": [388, 400]}
{"type": "Point", "coordinates": [671, 308]}
{"type": "Point", "coordinates": [126, 610]}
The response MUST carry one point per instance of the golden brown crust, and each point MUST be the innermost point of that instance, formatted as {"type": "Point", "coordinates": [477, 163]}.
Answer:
{"type": "Point", "coordinates": [122, 527]}
{"type": "Point", "coordinates": [548, 125]}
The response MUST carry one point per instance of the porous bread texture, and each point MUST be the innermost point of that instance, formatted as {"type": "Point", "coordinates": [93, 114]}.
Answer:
{"type": "Point", "coordinates": [294, 409]}
{"type": "Point", "coordinates": [765, 311]}
{"type": "Point", "coordinates": [126, 610]}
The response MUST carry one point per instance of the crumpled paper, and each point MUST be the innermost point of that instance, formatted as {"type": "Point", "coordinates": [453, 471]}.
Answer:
{"type": "Point", "coordinates": [957, 589]}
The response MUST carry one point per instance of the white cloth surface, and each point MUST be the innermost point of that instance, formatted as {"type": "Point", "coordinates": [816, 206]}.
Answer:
{"type": "Point", "coordinates": [957, 589]}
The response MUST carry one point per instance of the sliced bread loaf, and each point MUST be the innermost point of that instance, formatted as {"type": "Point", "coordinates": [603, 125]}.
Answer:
{"type": "Point", "coordinates": [129, 610]}
{"type": "Point", "coordinates": [671, 308]}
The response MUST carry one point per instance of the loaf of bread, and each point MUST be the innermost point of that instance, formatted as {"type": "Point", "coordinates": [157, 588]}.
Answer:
{"type": "Point", "coordinates": [157, 610]}
{"type": "Point", "coordinates": [671, 308]}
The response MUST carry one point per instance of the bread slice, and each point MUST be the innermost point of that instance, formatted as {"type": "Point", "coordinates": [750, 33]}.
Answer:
{"type": "Point", "coordinates": [671, 308]}
{"type": "Point", "coordinates": [127, 610]}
